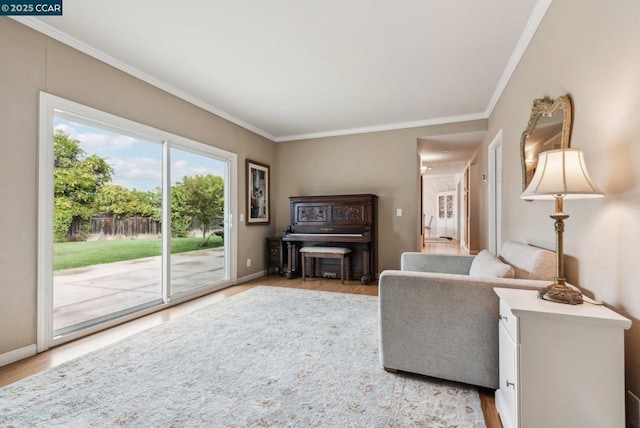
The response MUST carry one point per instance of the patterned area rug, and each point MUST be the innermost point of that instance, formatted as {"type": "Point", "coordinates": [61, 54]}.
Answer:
{"type": "Point", "coordinates": [266, 357]}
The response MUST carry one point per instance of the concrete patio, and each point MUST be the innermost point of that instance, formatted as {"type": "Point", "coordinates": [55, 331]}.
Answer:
{"type": "Point", "coordinates": [86, 293]}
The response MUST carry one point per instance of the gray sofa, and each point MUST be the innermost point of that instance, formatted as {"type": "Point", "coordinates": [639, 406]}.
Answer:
{"type": "Point", "coordinates": [438, 315]}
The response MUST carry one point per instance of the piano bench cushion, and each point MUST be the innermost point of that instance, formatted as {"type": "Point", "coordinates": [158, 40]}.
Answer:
{"type": "Point", "coordinates": [325, 250]}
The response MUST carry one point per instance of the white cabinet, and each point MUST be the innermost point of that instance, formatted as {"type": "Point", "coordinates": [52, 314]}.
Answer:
{"type": "Point", "coordinates": [560, 365]}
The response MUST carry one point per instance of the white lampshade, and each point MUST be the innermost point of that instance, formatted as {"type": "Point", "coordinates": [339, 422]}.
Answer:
{"type": "Point", "coordinates": [561, 173]}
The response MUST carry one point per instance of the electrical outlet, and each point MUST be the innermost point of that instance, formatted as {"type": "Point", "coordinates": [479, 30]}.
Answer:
{"type": "Point", "coordinates": [633, 410]}
{"type": "Point", "coordinates": [399, 212]}
{"type": "Point", "coordinates": [248, 262]}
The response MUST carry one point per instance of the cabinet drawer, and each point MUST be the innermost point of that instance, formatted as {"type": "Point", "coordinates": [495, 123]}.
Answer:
{"type": "Point", "coordinates": [509, 321]}
{"type": "Point", "coordinates": [274, 255]}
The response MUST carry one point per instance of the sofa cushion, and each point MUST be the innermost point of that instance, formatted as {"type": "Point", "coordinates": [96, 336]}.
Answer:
{"type": "Point", "coordinates": [529, 262]}
{"type": "Point", "coordinates": [487, 265]}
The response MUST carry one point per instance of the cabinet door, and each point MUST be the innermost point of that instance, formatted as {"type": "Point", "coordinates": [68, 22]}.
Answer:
{"type": "Point", "coordinates": [507, 394]}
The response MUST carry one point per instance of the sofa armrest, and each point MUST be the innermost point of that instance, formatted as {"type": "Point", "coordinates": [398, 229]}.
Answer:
{"type": "Point", "coordinates": [442, 325]}
{"type": "Point", "coordinates": [437, 263]}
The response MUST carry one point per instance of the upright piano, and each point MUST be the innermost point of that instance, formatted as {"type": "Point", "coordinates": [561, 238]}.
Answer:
{"type": "Point", "coordinates": [335, 220]}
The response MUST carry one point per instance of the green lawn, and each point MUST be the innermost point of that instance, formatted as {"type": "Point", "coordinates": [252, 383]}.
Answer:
{"type": "Point", "coordinates": [76, 254]}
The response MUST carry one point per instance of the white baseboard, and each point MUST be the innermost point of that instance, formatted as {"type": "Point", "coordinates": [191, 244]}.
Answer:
{"type": "Point", "coordinates": [251, 277]}
{"type": "Point", "coordinates": [18, 354]}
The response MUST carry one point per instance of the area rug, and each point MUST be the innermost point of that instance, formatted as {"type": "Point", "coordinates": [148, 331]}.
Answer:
{"type": "Point", "coordinates": [266, 357]}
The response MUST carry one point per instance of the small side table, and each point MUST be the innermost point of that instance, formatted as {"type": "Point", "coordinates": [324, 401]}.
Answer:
{"type": "Point", "coordinates": [560, 365]}
{"type": "Point", "coordinates": [274, 255]}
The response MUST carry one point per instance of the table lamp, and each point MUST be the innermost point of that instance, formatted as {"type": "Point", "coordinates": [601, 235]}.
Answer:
{"type": "Point", "coordinates": [561, 174]}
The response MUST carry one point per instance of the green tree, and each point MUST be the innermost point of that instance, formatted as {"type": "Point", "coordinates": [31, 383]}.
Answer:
{"type": "Point", "coordinates": [149, 203]}
{"type": "Point", "coordinates": [181, 218]}
{"type": "Point", "coordinates": [122, 202]}
{"type": "Point", "coordinates": [114, 199]}
{"type": "Point", "coordinates": [76, 181]}
{"type": "Point", "coordinates": [199, 198]}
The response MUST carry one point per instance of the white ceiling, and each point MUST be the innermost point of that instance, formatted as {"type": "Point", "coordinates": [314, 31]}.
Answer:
{"type": "Point", "coordinates": [448, 154]}
{"type": "Point", "coordinates": [294, 69]}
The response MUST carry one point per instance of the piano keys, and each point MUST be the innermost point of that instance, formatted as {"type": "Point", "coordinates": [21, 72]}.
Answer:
{"type": "Point", "coordinates": [327, 237]}
{"type": "Point", "coordinates": [334, 220]}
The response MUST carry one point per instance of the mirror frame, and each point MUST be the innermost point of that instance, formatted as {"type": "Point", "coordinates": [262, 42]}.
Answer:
{"type": "Point", "coordinates": [546, 107]}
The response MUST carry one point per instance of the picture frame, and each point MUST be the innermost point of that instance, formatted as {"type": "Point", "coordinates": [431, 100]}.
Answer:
{"type": "Point", "coordinates": [258, 193]}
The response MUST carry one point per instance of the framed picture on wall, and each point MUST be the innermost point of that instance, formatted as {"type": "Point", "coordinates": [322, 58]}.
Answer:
{"type": "Point", "coordinates": [258, 204]}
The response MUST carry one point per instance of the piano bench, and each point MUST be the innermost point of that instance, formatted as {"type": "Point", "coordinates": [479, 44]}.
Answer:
{"type": "Point", "coordinates": [327, 253]}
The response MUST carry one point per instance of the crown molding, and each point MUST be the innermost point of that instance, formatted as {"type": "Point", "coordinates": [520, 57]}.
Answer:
{"type": "Point", "coordinates": [387, 127]}
{"type": "Point", "coordinates": [534, 21]}
{"type": "Point", "coordinates": [83, 47]}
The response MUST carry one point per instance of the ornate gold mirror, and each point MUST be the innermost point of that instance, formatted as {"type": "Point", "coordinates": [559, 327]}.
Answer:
{"type": "Point", "coordinates": [549, 128]}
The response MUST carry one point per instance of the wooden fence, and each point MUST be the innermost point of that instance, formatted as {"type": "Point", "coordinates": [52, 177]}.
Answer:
{"type": "Point", "coordinates": [107, 225]}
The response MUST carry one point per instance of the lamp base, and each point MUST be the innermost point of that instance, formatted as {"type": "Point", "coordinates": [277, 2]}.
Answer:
{"type": "Point", "coordinates": [560, 293]}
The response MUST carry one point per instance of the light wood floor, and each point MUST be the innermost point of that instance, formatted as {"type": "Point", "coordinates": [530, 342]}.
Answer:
{"type": "Point", "coordinates": [451, 247]}
{"type": "Point", "coordinates": [60, 354]}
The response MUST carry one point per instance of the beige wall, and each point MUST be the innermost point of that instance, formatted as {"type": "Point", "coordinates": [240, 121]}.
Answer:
{"type": "Point", "coordinates": [383, 163]}
{"type": "Point", "coordinates": [591, 50]}
{"type": "Point", "coordinates": [31, 62]}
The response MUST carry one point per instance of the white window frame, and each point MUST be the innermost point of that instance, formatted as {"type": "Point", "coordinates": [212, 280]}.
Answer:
{"type": "Point", "coordinates": [49, 104]}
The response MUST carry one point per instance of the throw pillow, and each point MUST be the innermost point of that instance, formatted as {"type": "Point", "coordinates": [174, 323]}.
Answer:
{"type": "Point", "coordinates": [487, 265]}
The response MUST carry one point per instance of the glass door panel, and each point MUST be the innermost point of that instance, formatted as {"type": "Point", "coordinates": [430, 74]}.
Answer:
{"type": "Point", "coordinates": [198, 207]}
{"type": "Point", "coordinates": [107, 224]}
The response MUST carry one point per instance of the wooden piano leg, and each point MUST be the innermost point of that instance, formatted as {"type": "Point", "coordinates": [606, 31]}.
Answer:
{"type": "Point", "coordinates": [366, 267]}
{"type": "Point", "coordinates": [348, 258]}
{"type": "Point", "coordinates": [292, 256]}
{"type": "Point", "coordinates": [303, 260]}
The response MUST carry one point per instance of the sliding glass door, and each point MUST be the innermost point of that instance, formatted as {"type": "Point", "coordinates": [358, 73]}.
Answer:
{"type": "Point", "coordinates": [197, 218]}
{"type": "Point", "coordinates": [131, 219]}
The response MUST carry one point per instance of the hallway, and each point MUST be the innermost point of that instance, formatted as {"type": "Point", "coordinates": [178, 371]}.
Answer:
{"type": "Point", "coordinates": [448, 247]}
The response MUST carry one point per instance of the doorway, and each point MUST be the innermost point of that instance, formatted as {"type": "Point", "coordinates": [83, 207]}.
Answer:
{"type": "Point", "coordinates": [447, 215]}
{"type": "Point", "coordinates": [440, 210]}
